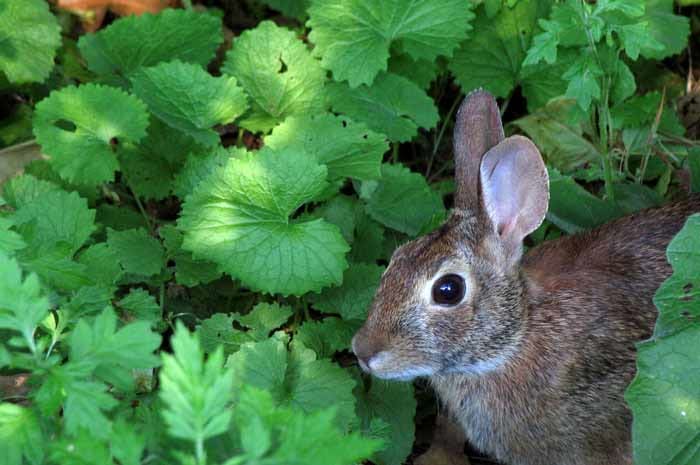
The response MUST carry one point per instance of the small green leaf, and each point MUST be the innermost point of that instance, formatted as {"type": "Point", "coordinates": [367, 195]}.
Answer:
{"type": "Point", "coordinates": [665, 27]}
{"type": "Point", "coordinates": [351, 300]}
{"type": "Point", "coordinates": [29, 35]}
{"type": "Point", "coordinates": [263, 318]}
{"type": "Point", "coordinates": [142, 306]}
{"type": "Point", "coordinates": [348, 149]}
{"type": "Point", "coordinates": [353, 38]}
{"type": "Point", "coordinates": [240, 221]}
{"type": "Point", "coordinates": [328, 336]}
{"type": "Point", "coordinates": [136, 41]}
{"type": "Point", "coordinates": [189, 99]}
{"type": "Point", "coordinates": [80, 128]}
{"type": "Point", "coordinates": [137, 251]}
{"type": "Point", "coordinates": [393, 105]}
{"type": "Point", "coordinates": [188, 271]}
{"type": "Point", "coordinates": [218, 331]}
{"type": "Point", "coordinates": [199, 166]}
{"type": "Point", "coordinates": [278, 73]}
{"type": "Point", "coordinates": [403, 200]}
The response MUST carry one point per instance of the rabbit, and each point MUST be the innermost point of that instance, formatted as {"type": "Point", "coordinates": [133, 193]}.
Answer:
{"type": "Point", "coordinates": [530, 354]}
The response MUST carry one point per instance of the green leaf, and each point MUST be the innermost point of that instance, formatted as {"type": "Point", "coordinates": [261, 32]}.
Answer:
{"type": "Point", "coordinates": [132, 42]}
{"type": "Point", "coordinates": [294, 379]}
{"type": "Point", "coordinates": [493, 56]}
{"type": "Point", "coordinates": [217, 331]}
{"type": "Point", "coordinates": [196, 393]}
{"type": "Point", "coordinates": [583, 80]}
{"type": "Point", "coordinates": [199, 166]}
{"type": "Point", "coordinates": [328, 336]}
{"type": "Point", "coordinates": [353, 38]}
{"type": "Point", "coordinates": [573, 209]}
{"type": "Point", "coordinates": [29, 35]}
{"type": "Point", "coordinates": [562, 144]}
{"type": "Point", "coordinates": [263, 318]}
{"type": "Point", "coordinates": [10, 241]}
{"type": "Point", "coordinates": [188, 271]}
{"type": "Point", "coordinates": [137, 251]}
{"type": "Point", "coordinates": [20, 436]}
{"type": "Point", "coordinates": [55, 219]}
{"type": "Point", "coordinates": [24, 189]}
{"type": "Point", "coordinates": [348, 149]}
{"type": "Point", "coordinates": [85, 408]}
{"type": "Point", "coordinates": [292, 8]}
{"type": "Point", "coordinates": [82, 448]}
{"type": "Point", "coordinates": [393, 105]}
{"type": "Point", "coordinates": [340, 211]}
{"type": "Point", "coordinates": [240, 221]}
{"type": "Point", "coordinates": [102, 264]}
{"type": "Point", "coordinates": [663, 398]}
{"type": "Point", "coordinates": [278, 73]}
{"type": "Point", "coordinates": [189, 99]}
{"type": "Point", "coordinates": [665, 27]}
{"type": "Point", "coordinates": [142, 306]}
{"type": "Point", "coordinates": [403, 200]}
{"type": "Point", "coordinates": [55, 269]}
{"type": "Point", "coordinates": [395, 404]}
{"type": "Point", "coordinates": [422, 72]}
{"type": "Point", "coordinates": [80, 128]}
{"type": "Point", "coordinates": [127, 445]}
{"type": "Point", "coordinates": [694, 165]}
{"type": "Point", "coordinates": [22, 306]}
{"type": "Point", "coordinates": [352, 299]}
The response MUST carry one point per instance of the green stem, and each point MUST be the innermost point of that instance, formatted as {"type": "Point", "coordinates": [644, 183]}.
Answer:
{"type": "Point", "coordinates": [199, 451]}
{"type": "Point", "coordinates": [436, 145]}
{"type": "Point", "coordinates": [394, 152]}
{"type": "Point", "coordinates": [603, 127]}
{"type": "Point", "coordinates": [151, 227]}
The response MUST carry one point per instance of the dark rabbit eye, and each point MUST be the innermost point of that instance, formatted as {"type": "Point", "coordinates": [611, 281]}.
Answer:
{"type": "Point", "coordinates": [448, 290]}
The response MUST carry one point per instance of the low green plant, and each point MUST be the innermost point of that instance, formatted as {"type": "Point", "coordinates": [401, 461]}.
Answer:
{"type": "Point", "coordinates": [178, 294]}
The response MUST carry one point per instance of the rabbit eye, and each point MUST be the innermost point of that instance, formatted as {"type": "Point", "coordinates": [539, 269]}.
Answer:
{"type": "Point", "coordinates": [448, 290]}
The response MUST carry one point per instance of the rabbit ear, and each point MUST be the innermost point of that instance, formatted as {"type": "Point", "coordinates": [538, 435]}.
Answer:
{"type": "Point", "coordinates": [477, 129]}
{"type": "Point", "coordinates": [515, 190]}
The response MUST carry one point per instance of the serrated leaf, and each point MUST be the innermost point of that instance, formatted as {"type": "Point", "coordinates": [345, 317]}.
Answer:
{"type": "Point", "coordinates": [102, 264]}
{"type": "Point", "coordinates": [80, 128]}
{"type": "Point", "coordinates": [218, 331]}
{"type": "Point", "coordinates": [340, 211]}
{"type": "Point", "coordinates": [403, 200]}
{"type": "Point", "coordinates": [85, 408]}
{"type": "Point", "coordinates": [665, 27]}
{"type": "Point", "coordinates": [137, 251]}
{"type": "Point", "coordinates": [240, 221]}
{"type": "Point", "coordinates": [353, 38]}
{"type": "Point", "coordinates": [294, 379]}
{"type": "Point", "coordinates": [195, 392]}
{"type": "Point", "coordinates": [189, 99]}
{"type": "Point", "coordinates": [368, 245]}
{"type": "Point", "coordinates": [83, 448]}
{"type": "Point", "coordinates": [352, 299]}
{"type": "Point", "coordinates": [328, 336]}
{"type": "Point", "coordinates": [493, 56]}
{"type": "Point", "coordinates": [55, 218]}
{"type": "Point", "coordinates": [347, 148]}
{"type": "Point", "coordinates": [394, 404]}
{"type": "Point", "coordinates": [392, 105]}
{"type": "Point", "coordinates": [10, 241]}
{"type": "Point", "coordinates": [141, 305]}
{"type": "Point", "coordinates": [29, 35]}
{"type": "Point", "coordinates": [278, 73]}
{"type": "Point", "coordinates": [22, 190]}
{"type": "Point", "coordinates": [583, 81]}
{"type": "Point", "coordinates": [135, 41]}
{"type": "Point", "coordinates": [127, 445]}
{"type": "Point", "coordinates": [56, 269]}
{"type": "Point", "coordinates": [422, 72]}
{"type": "Point", "coordinates": [263, 318]}
{"type": "Point", "coordinates": [292, 8]}
{"type": "Point", "coordinates": [199, 166]}
{"type": "Point", "coordinates": [20, 436]}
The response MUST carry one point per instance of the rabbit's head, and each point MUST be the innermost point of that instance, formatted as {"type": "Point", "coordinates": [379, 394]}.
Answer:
{"type": "Point", "coordinates": [451, 301]}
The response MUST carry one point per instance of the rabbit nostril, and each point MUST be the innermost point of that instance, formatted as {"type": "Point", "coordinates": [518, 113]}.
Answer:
{"type": "Point", "coordinates": [363, 350]}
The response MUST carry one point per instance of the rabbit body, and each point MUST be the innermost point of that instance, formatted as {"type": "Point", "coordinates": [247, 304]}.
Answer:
{"type": "Point", "coordinates": [531, 354]}
{"type": "Point", "coordinates": [586, 300]}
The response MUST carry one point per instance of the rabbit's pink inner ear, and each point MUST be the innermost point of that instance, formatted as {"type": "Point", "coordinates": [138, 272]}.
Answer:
{"type": "Point", "coordinates": [515, 188]}
{"type": "Point", "coordinates": [477, 129]}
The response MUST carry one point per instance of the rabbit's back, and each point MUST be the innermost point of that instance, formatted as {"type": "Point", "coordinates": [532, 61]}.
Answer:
{"type": "Point", "coordinates": [559, 399]}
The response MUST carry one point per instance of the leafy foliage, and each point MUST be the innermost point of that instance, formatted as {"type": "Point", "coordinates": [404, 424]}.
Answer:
{"type": "Point", "coordinates": [185, 267]}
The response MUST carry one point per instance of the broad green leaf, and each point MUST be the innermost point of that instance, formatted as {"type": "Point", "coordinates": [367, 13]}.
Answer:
{"type": "Point", "coordinates": [137, 251]}
{"type": "Point", "coordinates": [665, 27]}
{"type": "Point", "coordinates": [573, 209]}
{"type": "Point", "coordinates": [403, 200]}
{"type": "Point", "coordinates": [340, 211]}
{"type": "Point", "coordinates": [353, 38]}
{"type": "Point", "coordinates": [22, 306]}
{"type": "Point", "coordinates": [422, 72]}
{"type": "Point", "coordinates": [55, 268]}
{"type": "Point", "coordinates": [102, 264]}
{"type": "Point", "coordinates": [120, 217]}
{"type": "Point", "coordinates": [263, 318]}
{"type": "Point", "coordinates": [294, 379]}
{"type": "Point", "coordinates": [29, 35]}
{"type": "Point", "coordinates": [24, 189]}
{"type": "Point", "coordinates": [141, 305]}
{"type": "Point", "coordinates": [492, 57]}
{"type": "Point", "coordinates": [292, 8]}
{"type": "Point", "coordinates": [327, 336]}
{"type": "Point", "coordinates": [218, 331]}
{"type": "Point", "coordinates": [81, 128]}
{"type": "Point", "coordinates": [127, 445]}
{"type": "Point", "coordinates": [188, 271]}
{"type": "Point", "coordinates": [392, 105]}
{"type": "Point", "coordinates": [241, 221]}
{"type": "Point", "coordinates": [196, 393]}
{"type": "Point", "coordinates": [278, 73]}
{"type": "Point", "coordinates": [664, 400]}
{"type": "Point", "coordinates": [189, 99]}
{"type": "Point", "coordinates": [83, 448]}
{"type": "Point", "coordinates": [20, 436]}
{"type": "Point", "coordinates": [134, 41]}
{"type": "Point", "coordinates": [348, 149]}
{"type": "Point", "coordinates": [351, 300]}
{"type": "Point", "coordinates": [199, 166]}
{"type": "Point", "coordinates": [563, 145]}
{"type": "Point", "coordinates": [368, 245]}
{"type": "Point", "coordinates": [395, 404]}
{"type": "Point", "coordinates": [55, 219]}
{"type": "Point", "coordinates": [86, 406]}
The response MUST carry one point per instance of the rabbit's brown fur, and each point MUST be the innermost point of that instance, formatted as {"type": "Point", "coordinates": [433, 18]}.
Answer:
{"type": "Point", "coordinates": [535, 361]}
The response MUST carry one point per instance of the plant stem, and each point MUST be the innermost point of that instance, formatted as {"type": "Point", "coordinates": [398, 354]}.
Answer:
{"type": "Point", "coordinates": [603, 128]}
{"type": "Point", "coordinates": [151, 228]}
{"type": "Point", "coordinates": [436, 144]}
{"type": "Point", "coordinates": [199, 451]}
{"type": "Point", "coordinates": [394, 152]}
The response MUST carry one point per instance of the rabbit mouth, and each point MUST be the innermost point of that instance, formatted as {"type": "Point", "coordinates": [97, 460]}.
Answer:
{"type": "Point", "coordinates": [384, 365]}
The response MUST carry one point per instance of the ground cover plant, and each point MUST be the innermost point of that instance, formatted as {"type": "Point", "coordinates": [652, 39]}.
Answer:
{"type": "Point", "coordinates": [214, 191]}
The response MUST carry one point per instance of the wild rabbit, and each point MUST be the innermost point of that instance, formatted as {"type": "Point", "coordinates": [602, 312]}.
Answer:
{"type": "Point", "coordinates": [530, 354]}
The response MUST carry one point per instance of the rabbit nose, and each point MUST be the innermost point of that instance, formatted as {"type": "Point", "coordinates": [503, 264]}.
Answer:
{"type": "Point", "coordinates": [364, 348]}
